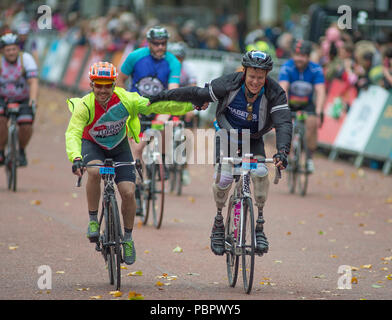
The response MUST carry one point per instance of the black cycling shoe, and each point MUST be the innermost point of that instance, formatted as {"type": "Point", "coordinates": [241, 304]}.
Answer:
{"type": "Point", "coordinates": [261, 240]}
{"type": "Point", "coordinates": [218, 236]}
{"type": "Point", "coordinates": [22, 158]}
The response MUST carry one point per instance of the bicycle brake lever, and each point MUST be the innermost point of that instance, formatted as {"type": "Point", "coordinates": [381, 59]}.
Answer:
{"type": "Point", "coordinates": [79, 183]}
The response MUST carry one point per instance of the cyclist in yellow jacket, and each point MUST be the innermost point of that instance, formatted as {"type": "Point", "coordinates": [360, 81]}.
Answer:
{"type": "Point", "coordinates": [99, 128]}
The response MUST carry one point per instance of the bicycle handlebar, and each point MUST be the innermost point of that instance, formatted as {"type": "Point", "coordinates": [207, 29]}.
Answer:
{"type": "Point", "coordinates": [237, 160]}
{"type": "Point", "coordinates": [112, 164]}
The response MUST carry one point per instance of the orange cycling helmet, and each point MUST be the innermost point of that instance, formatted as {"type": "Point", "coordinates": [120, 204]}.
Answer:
{"type": "Point", "coordinates": [103, 72]}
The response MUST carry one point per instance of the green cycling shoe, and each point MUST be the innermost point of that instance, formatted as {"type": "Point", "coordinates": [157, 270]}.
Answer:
{"type": "Point", "coordinates": [129, 252]}
{"type": "Point", "coordinates": [93, 231]}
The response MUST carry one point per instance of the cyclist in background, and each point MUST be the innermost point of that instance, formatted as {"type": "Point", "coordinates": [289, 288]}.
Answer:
{"type": "Point", "coordinates": [18, 83]}
{"type": "Point", "coordinates": [248, 100]}
{"type": "Point", "coordinates": [300, 78]}
{"type": "Point", "coordinates": [98, 129]}
{"type": "Point", "coordinates": [150, 69]}
{"type": "Point", "coordinates": [188, 79]}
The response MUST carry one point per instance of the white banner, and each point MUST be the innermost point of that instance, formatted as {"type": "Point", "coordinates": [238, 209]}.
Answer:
{"type": "Point", "coordinates": [361, 119]}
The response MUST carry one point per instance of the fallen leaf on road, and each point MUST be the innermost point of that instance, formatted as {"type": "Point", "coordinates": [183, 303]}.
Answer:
{"type": "Point", "coordinates": [321, 276]}
{"type": "Point", "coordinates": [339, 172]}
{"type": "Point", "coordinates": [333, 256]}
{"type": "Point", "coordinates": [278, 261]}
{"type": "Point", "coordinates": [60, 272]}
{"type": "Point", "coordinates": [82, 289]}
{"type": "Point", "coordinates": [376, 286]}
{"type": "Point", "coordinates": [146, 251]}
{"type": "Point", "coordinates": [389, 200]}
{"type": "Point", "coordinates": [132, 295]}
{"type": "Point", "coordinates": [321, 232]}
{"type": "Point", "coordinates": [159, 284]}
{"type": "Point", "coordinates": [177, 249]}
{"type": "Point", "coordinates": [191, 199]}
{"type": "Point", "coordinates": [354, 268]}
{"type": "Point", "coordinates": [74, 195]}
{"type": "Point", "coordinates": [116, 294]}
{"type": "Point", "coordinates": [366, 266]}
{"type": "Point", "coordinates": [35, 202]}
{"type": "Point", "coordinates": [369, 232]}
{"type": "Point", "coordinates": [96, 297]}
{"type": "Point", "coordinates": [13, 247]}
{"type": "Point", "coordinates": [387, 258]}
{"type": "Point", "coordinates": [288, 233]}
{"type": "Point", "coordinates": [123, 267]}
{"type": "Point", "coordinates": [389, 276]}
{"type": "Point", "coordinates": [354, 280]}
{"type": "Point", "coordinates": [135, 273]}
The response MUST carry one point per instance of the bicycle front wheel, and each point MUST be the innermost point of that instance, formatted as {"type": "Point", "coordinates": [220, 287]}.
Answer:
{"type": "Point", "coordinates": [114, 242]}
{"type": "Point", "coordinates": [248, 244]}
{"type": "Point", "coordinates": [303, 170]}
{"type": "Point", "coordinates": [232, 259]}
{"type": "Point", "coordinates": [157, 193]}
{"type": "Point", "coordinates": [11, 159]}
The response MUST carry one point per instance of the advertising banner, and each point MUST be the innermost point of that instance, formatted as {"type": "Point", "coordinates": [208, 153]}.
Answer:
{"type": "Point", "coordinates": [361, 119]}
{"type": "Point", "coordinates": [75, 65]}
{"type": "Point", "coordinates": [63, 49]}
{"type": "Point", "coordinates": [339, 96]}
{"type": "Point", "coordinates": [50, 60]}
{"type": "Point", "coordinates": [380, 142]}
{"type": "Point", "coordinates": [84, 83]}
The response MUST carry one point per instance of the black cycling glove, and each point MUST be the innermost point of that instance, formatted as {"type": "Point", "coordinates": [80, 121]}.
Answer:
{"type": "Point", "coordinates": [282, 157]}
{"type": "Point", "coordinates": [77, 164]}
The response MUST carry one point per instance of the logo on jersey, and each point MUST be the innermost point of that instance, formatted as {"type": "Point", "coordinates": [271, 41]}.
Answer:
{"type": "Point", "coordinates": [149, 86]}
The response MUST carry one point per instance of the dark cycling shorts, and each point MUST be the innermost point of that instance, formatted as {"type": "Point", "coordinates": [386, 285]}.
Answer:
{"type": "Point", "coordinates": [309, 108]}
{"type": "Point", "coordinates": [122, 153]}
{"type": "Point", "coordinates": [26, 114]}
{"type": "Point", "coordinates": [256, 148]}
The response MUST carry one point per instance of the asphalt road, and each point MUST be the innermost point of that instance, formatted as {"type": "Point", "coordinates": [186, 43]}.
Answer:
{"type": "Point", "coordinates": [346, 219]}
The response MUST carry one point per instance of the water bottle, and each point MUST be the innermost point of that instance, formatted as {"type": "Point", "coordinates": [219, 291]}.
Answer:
{"type": "Point", "coordinates": [237, 214]}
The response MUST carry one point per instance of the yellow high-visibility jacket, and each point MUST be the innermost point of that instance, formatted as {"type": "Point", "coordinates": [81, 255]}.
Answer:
{"type": "Point", "coordinates": [83, 112]}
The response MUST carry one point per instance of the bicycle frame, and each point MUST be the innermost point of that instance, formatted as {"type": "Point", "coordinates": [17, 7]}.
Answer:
{"type": "Point", "coordinates": [12, 146]}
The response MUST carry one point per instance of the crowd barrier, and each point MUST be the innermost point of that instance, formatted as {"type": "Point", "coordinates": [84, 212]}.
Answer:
{"type": "Point", "coordinates": [364, 131]}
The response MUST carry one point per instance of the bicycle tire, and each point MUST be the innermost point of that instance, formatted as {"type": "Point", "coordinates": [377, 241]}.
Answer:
{"type": "Point", "coordinates": [302, 162]}
{"type": "Point", "coordinates": [146, 196]}
{"type": "Point", "coordinates": [248, 244]}
{"type": "Point", "coordinates": [232, 260]}
{"type": "Point", "coordinates": [158, 194]}
{"type": "Point", "coordinates": [116, 233]}
{"type": "Point", "coordinates": [293, 166]}
{"type": "Point", "coordinates": [179, 181]}
{"type": "Point", "coordinates": [12, 158]}
{"type": "Point", "coordinates": [109, 257]}
{"type": "Point", "coordinates": [173, 177]}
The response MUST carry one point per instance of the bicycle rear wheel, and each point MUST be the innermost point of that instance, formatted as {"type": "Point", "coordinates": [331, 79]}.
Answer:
{"type": "Point", "coordinates": [157, 193]}
{"type": "Point", "coordinates": [232, 260]}
{"type": "Point", "coordinates": [248, 244]}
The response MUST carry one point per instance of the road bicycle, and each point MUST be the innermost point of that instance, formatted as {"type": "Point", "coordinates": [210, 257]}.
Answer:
{"type": "Point", "coordinates": [240, 237]}
{"type": "Point", "coordinates": [177, 168]}
{"type": "Point", "coordinates": [152, 189]}
{"type": "Point", "coordinates": [298, 175]}
{"type": "Point", "coordinates": [11, 155]}
{"type": "Point", "coordinates": [111, 237]}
